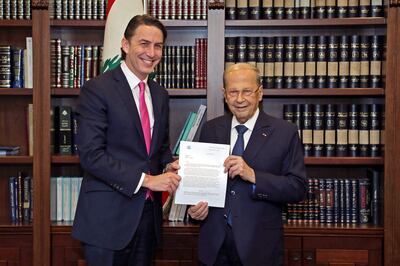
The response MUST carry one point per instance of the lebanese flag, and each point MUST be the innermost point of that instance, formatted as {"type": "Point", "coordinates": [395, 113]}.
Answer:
{"type": "Point", "coordinates": [119, 13]}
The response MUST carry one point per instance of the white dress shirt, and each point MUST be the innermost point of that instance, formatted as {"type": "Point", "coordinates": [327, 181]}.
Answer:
{"type": "Point", "coordinates": [246, 136]}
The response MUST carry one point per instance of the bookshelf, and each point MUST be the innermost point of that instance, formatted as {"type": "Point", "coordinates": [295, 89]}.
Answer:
{"type": "Point", "coordinates": [46, 243]}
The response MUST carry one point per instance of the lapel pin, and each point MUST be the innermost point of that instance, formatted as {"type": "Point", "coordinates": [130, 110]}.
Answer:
{"type": "Point", "coordinates": [264, 134]}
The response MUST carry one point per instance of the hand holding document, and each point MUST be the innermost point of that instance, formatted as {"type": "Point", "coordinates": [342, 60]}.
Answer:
{"type": "Point", "coordinates": [202, 173]}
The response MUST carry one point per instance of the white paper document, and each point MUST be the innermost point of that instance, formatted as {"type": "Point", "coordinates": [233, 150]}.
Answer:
{"type": "Point", "coordinates": [202, 173]}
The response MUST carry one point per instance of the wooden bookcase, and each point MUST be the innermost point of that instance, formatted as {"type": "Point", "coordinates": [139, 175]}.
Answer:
{"type": "Point", "coordinates": [43, 243]}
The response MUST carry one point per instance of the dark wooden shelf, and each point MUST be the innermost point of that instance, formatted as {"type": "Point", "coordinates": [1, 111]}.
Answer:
{"type": "Point", "coordinates": [16, 159]}
{"type": "Point", "coordinates": [15, 228]}
{"type": "Point", "coordinates": [184, 23]}
{"type": "Point", "coordinates": [88, 23]}
{"type": "Point", "coordinates": [324, 92]}
{"type": "Point", "coordinates": [307, 22]}
{"type": "Point", "coordinates": [187, 92]}
{"type": "Point", "coordinates": [332, 229]}
{"type": "Point", "coordinates": [65, 159]}
{"type": "Point", "coordinates": [171, 92]}
{"type": "Point", "coordinates": [289, 229]}
{"type": "Point", "coordinates": [15, 23]}
{"type": "Point", "coordinates": [15, 91]}
{"type": "Point", "coordinates": [65, 91]}
{"type": "Point", "coordinates": [343, 160]}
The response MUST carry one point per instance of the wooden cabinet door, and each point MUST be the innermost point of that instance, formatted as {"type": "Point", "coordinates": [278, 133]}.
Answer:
{"type": "Point", "coordinates": [342, 251]}
{"type": "Point", "coordinates": [292, 251]}
{"type": "Point", "coordinates": [16, 250]}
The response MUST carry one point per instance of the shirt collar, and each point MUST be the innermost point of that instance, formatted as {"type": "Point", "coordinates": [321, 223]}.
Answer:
{"type": "Point", "coordinates": [133, 80]}
{"type": "Point", "coordinates": [249, 123]}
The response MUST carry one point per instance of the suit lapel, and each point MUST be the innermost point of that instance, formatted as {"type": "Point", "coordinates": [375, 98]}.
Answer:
{"type": "Point", "coordinates": [261, 132]}
{"type": "Point", "coordinates": [125, 93]}
{"type": "Point", "coordinates": [224, 130]}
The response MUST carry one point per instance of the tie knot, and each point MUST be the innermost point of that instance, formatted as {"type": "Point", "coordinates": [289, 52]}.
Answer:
{"type": "Point", "coordinates": [241, 129]}
{"type": "Point", "coordinates": [142, 86]}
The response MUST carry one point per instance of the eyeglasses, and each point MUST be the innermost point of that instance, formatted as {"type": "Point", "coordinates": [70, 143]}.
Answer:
{"type": "Point", "coordinates": [244, 93]}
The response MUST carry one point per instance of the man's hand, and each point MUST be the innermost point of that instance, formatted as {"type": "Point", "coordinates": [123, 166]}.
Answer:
{"type": "Point", "coordinates": [199, 211]}
{"type": "Point", "coordinates": [173, 167]}
{"type": "Point", "coordinates": [164, 182]}
{"type": "Point", "coordinates": [235, 165]}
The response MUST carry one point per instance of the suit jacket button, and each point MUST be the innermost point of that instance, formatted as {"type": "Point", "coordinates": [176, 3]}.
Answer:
{"type": "Point", "coordinates": [233, 192]}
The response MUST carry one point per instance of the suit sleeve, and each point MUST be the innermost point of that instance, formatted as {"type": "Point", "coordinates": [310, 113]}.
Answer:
{"type": "Point", "coordinates": [291, 185]}
{"type": "Point", "coordinates": [94, 153]}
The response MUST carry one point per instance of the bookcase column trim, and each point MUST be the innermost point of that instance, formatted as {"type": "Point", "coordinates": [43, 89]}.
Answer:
{"type": "Point", "coordinates": [41, 135]}
{"type": "Point", "coordinates": [392, 141]}
{"type": "Point", "coordinates": [215, 62]}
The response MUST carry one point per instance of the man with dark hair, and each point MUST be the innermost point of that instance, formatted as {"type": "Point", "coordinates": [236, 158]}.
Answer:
{"type": "Point", "coordinates": [123, 143]}
{"type": "Point", "coordinates": [266, 170]}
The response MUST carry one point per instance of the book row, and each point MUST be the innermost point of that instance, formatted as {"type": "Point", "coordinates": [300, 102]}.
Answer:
{"type": "Point", "coordinates": [16, 66]}
{"type": "Point", "coordinates": [15, 9]}
{"type": "Point", "coordinates": [340, 201]}
{"type": "Point", "coordinates": [344, 61]}
{"type": "Point", "coordinates": [184, 66]}
{"type": "Point", "coordinates": [64, 193]}
{"type": "Point", "coordinates": [354, 130]}
{"type": "Point", "coordinates": [177, 9]}
{"type": "Point", "coordinates": [77, 9]}
{"type": "Point", "coordinates": [20, 196]}
{"type": "Point", "coordinates": [302, 9]}
{"type": "Point", "coordinates": [72, 65]}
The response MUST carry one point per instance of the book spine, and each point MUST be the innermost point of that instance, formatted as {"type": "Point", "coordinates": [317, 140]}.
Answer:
{"type": "Point", "coordinates": [364, 127]}
{"type": "Point", "coordinates": [311, 64]}
{"type": "Point", "coordinates": [269, 65]}
{"type": "Point", "coordinates": [331, 9]}
{"type": "Point", "coordinates": [251, 50]}
{"type": "Point", "coordinates": [307, 129]}
{"type": "Point", "coordinates": [376, 8]}
{"type": "Point", "coordinates": [318, 130]}
{"type": "Point", "coordinates": [342, 130]}
{"type": "Point", "coordinates": [268, 9]}
{"type": "Point", "coordinates": [376, 195]}
{"type": "Point", "coordinates": [65, 130]}
{"type": "Point", "coordinates": [353, 8]}
{"type": "Point", "coordinates": [342, 8]}
{"type": "Point", "coordinates": [364, 60]}
{"type": "Point", "coordinates": [254, 9]}
{"type": "Point", "coordinates": [355, 63]}
{"type": "Point", "coordinates": [278, 64]}
{"type": "Point", "coordinates": [365, 8]}
{"type": "Point", "coordinates": [322, 200]}
{"type": "Point", "coordinates": [288, 64]}
{"type": "Point", "coordinates": [299, 65]}
{"type": "Point", "coordinates": [330, 130]}
{"type": "Point", "coordinates": [320, 9]}
{"type": "Point", "coordinates": [260, 58]}
{"type": "Point", "coordinates": [321, 62]}
{"type": "Point", "coordinates": [230, 9]}
{"type": "Point", "coordinates": [376, 61]}
{"type": "Point", "coordinates": [279, 9]}
{"type": "Point", "coordinates": [354, 131]}
{"type": "Point", "coordinates": [333, 64]}
{"type": "Point", "coordinates": [375, 129]}
{"type": "Point", "coordinates": [288, 112]}
{"type": "Point", "coordinates": [242, 9]}
{"type": "Point", "coordinates": [297, 118]}
{"type": "Point", "coordinates": [364, 200]}
{"type": "Point", "coordinates": [329, 193]}
{"type": "Point", "coordinates": [344, 62]}
{"type": "Point", "coordinates": [289, 7]}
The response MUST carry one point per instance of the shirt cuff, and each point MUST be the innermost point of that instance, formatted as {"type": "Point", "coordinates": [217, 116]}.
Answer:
{"type": "Point", "coordinates": [140, 183]}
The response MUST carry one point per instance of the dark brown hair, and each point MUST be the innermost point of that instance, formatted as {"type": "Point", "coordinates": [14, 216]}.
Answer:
{"type": "Point", "coordinates": [139, 20]}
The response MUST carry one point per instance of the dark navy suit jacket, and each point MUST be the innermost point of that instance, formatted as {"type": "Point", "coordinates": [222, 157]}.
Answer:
{"type": "Point", "coordinates": [275, 153]}
{"type": "Point", "coordinates": [113, 154]}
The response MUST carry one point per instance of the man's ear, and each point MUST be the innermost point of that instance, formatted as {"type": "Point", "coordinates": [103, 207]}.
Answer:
{"type": "Point", "coordinates": [125, 45]}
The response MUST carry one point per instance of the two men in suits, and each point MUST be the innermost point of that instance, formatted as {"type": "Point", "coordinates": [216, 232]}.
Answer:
{"type": "Point", "coordinates": [123, 142]}
{"type": "Point", "coordinates": [266, 170]}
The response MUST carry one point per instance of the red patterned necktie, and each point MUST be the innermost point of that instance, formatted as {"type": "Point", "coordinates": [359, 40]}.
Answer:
{"type": "Point", "coordinates": [145, 120]}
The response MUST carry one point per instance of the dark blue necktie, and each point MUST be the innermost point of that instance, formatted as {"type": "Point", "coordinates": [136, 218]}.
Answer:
{"type": "Point", "coordinates": [238, 150]}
